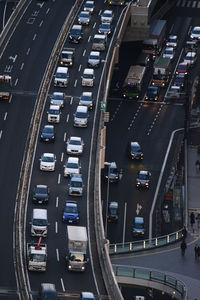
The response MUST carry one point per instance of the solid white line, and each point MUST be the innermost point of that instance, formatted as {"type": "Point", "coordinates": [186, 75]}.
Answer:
{"type": "Point", "coordinates": [22, 65]}
{"type": "Point", "coordinates": [34, 37]}
{"type": "Point", "coordinates": [63, 288]}
{"type": "Point", "coordinates": [59, 178]}
{"type": "Point", "coordinates": [27, 53]}
{"type": "Point", "coordinates": [57, 201]}
{"type": "Point", "coordinates": [41, 23]}
{"type": "Point", "coordinates": [67, 120]}
{"type": "Point", "coordinates": [62, 155]}
{"type": "Point", "coordinates": [75, 83]}
{"type": "Point", "coordinates": [5, 116]}
{"type": "Point", "coordinates": [124, 227]}
{"type": "Point", "coordinates": [57, 254]}
{"type": "Point", "coordinates": [79, 68]}
{"type": "Point", "coordinates": [84, 52]}
{"type": "Point", "coordinates": [16, 81]}
{"type": "Point", "coordinates": [47, 10]}
{"type": "Point", "coordinates": [65, 137]}
{"type": "Point", "coordinates": [56, 227]}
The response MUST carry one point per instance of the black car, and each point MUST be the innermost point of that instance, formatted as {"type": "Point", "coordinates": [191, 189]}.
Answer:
{"type": "Point", "coordinates": [48, 133]}
{"type": "Point", "coordinates": [47, 291]}
{"type": "Point", "coordinates": [113, 212]}
{"type": "Point", "coordinates": [143, 179]}
{"type": "Point", "coordinates": [111, 172]}
{"type": "Point", "coordinates": [134, 151]}
{"type": "Point", "coordinates": [75, 34]}
{"type": "Point", "coordinates": [179, 80]}
{"type": "Point", "coordinates": [41, 194]}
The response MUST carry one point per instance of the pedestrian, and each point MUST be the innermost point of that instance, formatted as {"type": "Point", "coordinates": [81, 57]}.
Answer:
{"type": "Point", "coordinates": [198, 220]}
{"type": "Point", "coordinates": [184, 232]}
{"type": "Point", "coordinates": [197, 164]}
{"type": "Point", "coordinates": [196, 251]}
{"type": "Point", "coordinates": [183, 247]}
{"type": "Point", "coordinates": [192, 220]}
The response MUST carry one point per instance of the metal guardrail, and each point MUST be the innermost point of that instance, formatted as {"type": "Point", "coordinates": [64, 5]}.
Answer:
{"type": "Point", "coordinates": [153, 276]}
{"type": "Point", "coordinates": [136, 246]}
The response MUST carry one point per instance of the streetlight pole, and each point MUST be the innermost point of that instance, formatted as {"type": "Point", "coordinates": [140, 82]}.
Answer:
{"type": "Point", "coordinates": [107, 197]}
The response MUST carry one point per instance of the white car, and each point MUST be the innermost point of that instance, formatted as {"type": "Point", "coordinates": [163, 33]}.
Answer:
{"type": "Point", "coordinates": [75, 145]}
{"type": "Point", "coordinates": [190, 58]}
{"type": "Point", "coordinates": [72, 166]}
{"type": "Point", "coordinates": [48, 162]}
{"type": "Point", "coordinates": [168, 52]}
{"type": "Point", "coordinates": [107, 16]}
{"type": "Point", "coordinates": [58, 98]}
{"type": "Point", "coordinates": [94, 59]}
{"type": "Point", "coordinates": [195, 33]}
{"type": "Point", "coordinates": [172, 41]}
{"type": "Point", "coordinates": [84, 18]}
{"type": "Point", "coordinates": [86, 100]}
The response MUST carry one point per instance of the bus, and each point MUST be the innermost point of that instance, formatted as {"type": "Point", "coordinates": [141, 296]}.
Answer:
{"type": "Point", "coordinates": [134, 82]}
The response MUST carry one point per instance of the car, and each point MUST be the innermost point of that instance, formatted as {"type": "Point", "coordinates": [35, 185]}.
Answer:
{"type": "Point", "coordinates": [190, 58]}
{"type": "Point", "coordinates": [168, 52]}
{"type": "Point", "coordinates": [74, 145]}
{"type": "Point", "coordinates": [179, 80]}
{"type": "Point", "coordinates": [41, 194]}
{"type": "Point", "coordinates": [72, 166]}
{"type": "Point", "coordinates": [87, 79]}
{"type": "Point", "coordinates": [70, 212]}
{"type": "Point", "coordinates": [191, 46]}
{"type": "Point", "coordinates": [152, 93]}
{"type": "Point", "coordinates": [89, 6]}
{"type": "Point", "coordinates": [86, 100]}
{"type": "Point", "coordinates": [47, 291]}
{"type": "Point", "coordinates": [143, 179]}
{"type": "Point", "coordinates": [87, 296]}
{"type": "Point", "coordinates": [111, 173]}
{"type": "Point", "coordinates": [94, 59]}
{"type": "Point", "coordinates": [76, 185]}
{"type": "Point", "coordinates": [58, 98]}
{"type": "Point", "coordinates": [84, 18]}
{"type": "Point", "coordinates": [174, 92]}
{"type": "Point", "coordinates": [172, 41]}
{"type": "Point", "coordinates": [54, 114]}
{"type": "Point", "coordinates": [134, 151]}
{"type": "Point", "coordinates": [138, 227]}
{"type": "Point", "coordinates": [48, 162]}
{"type": "Point", "coordinates": [75, 34]}
{"type": "Point", "coordinates": [105, 28]}
{"type": "Point", "coordinates": [195, 33]}
{"type": "Point", "coordinates": [48, 133]}
{"type": "Point", "coordinates": [81, 116]}
{"type": "Point", "coordinates": [182, 68]}
{"type": "Point", "coordinates": [107, 16]}
{"type": "Point", "coordinates": [113, 212]}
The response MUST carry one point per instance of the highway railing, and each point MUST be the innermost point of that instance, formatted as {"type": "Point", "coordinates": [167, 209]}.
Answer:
{"type": "Point", "coordinates": [161, 280]}
{"type": "Point", "coordinates": [135, 246]}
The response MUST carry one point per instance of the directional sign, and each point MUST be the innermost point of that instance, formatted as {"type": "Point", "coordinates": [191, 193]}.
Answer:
{"type": "Point", "coordinates": [139, 207]}
{"type": "Point", "coordinates": [103, 105]}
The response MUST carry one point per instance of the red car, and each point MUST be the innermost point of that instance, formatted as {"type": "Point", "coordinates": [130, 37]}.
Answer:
{"type": "Point", "coordinates": [182, 68]}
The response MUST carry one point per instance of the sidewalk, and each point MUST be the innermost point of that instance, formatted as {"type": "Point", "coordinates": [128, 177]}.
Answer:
{"type": "Point", "coordinates": [169, 259]}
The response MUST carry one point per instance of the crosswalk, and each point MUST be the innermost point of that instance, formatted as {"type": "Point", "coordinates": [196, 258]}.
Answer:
{"type": "Point", "coordinates": [188, 3]}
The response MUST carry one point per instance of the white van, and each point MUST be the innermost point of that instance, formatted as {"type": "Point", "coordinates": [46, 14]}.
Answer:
{"type": "Point", "coordinates": [81, 116]}
{"type": "Point", "coordinates": [99, 42]}
{"type": "Point", "coordinates": [39, 222]}
{"type": "Point", "coordinates": [61, 77]}
{"type": "Point", "coordinates": [88, 77]}
{"type": "Point", "coordinates": [54, 114]}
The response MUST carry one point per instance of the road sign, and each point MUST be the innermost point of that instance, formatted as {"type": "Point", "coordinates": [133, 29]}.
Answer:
{"type": "Point", "coordinates": [103, 105]}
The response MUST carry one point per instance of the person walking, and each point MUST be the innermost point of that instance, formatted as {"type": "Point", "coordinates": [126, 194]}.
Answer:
{"type": "Point", "coordinates": [196, 251]}
{"type": "Point", "coordinates": [184, 232]}
{"type": "Point", "coordinates": [198, 220]}
{"type": "Point", "coordinates": [183, 247]}
{"type": "Point", "coordinates": [192, 220]}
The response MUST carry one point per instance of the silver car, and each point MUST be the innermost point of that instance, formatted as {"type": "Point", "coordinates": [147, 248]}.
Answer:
{"type": "Point", "coordinates": [76, 185]}
{"type": "Point", "coordinates": [72, 166]}
{"type": "Point", "coordinates": [107, 16]}
{"type": "Point", "coordinates": [84, 18]}
{"type": "Point", "coordinates": [75, 145]}
{"type": "Point", "coordinates": [94, 59]}
{"type": "Point", "coordinates": [105, 28]}
{"type": "Point", "coordinates": [86, 100]}
{"type": "Point", "coordinates": [58, 99]}
{"type": "Point", "coordinates": [89, 6]}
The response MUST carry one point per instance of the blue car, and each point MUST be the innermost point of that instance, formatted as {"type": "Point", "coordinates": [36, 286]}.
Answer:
{"type": "Point", "coordinates": [152, 93]}
{"type": "Point", "coordinates": [70, 213]}
{"type": "Point", "coordinates": [48, 133]}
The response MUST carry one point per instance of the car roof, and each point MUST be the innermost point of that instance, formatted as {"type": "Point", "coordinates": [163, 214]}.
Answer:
{"type": "Point", "coordinates": [113, 204]}
{"type": "Point", "coordinates": [71, 203]}
{"type": "Point", "coordinates": [58, 93]}
{"type": "Point", "coordinates": [169, 48]}
{"type": "Point", "coordinates": [75, 138]}
{"type": "Point", "coordinates": [49, 126]}
{"type": "Point", "coordinates": [143, 172]}
{"type": "Point", "coordinates": [95, 52]}
{"type": "Point", "coordinates": [48, 154]}
{"type": "Point", "coordinates": [41, 186]}
{"type": "Point", "coordinates": [172, 36]}
{"type": "Point", "coordinates": [113, 164]}
{"type": "Point", "coordinates": [85, 12]}
{"type": "Point", "coordinates": [54, 107]}
{"type": "Point", "coordinates": [87, 94]}
{"type": "Point", "coordinates": [107, 11]}
{"type": "Point", "coordinates": [196, 28]}
{"type": "Point", "coordinates": [76, 176]}
{"type": "Point", "coordinates": [136, 144]}
{"type": "Point", "coordinates": [73, 159]}
{"type": "Point", "coordinates": [88, 71]}
{"type": "Point", "coordinates": [87, 295]}
{"type": "Point", "coordinates": [183, 63]}
{"type": "Point", "coordinates": [191, 54]}
{"type": "Point", "coordinates": [139, 219]}
{"type": "Point", "coordinates": [91, 2]}
{"type": "Point", "coordinates": [77, 26]}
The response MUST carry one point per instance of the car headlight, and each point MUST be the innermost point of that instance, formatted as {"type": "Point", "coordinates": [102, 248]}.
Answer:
{"type": "Point", "coordinates": [69, 267]}
{"type": "Point", "coordinates": [70, 37]}
{"type": "Point", "coordinates": [77, 218]}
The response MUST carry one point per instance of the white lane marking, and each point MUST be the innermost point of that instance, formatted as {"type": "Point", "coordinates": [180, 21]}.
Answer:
{"type": "Point", "coordinates": [41, 23]}
{"type": "Point", "coordinates": [79, 68]}
{"type": "Point", "coordinates": [47, 11]}
{"type": "Point", "coordinates": [65, 137]}
{"type": "Point", "coordinates": [16, 81]}
{"type": "Point", "coordinates": [4, 14]}
{"type": "Point", "coordinates": [94, 25]}
{"type": "Point", "coordinates": [10, 99]}
{"type": "Point", "coordinates": [124, 227]}
{"type": "Point", "coordinates": [59, 178]}
{"type": "Point", "coordinates": [89, 38]}
{"type": "Point", "coordinates": [100, 12]}
{"type": "Point", "coordinates": [57, 201]}
{"type": "Point", "coordinates": [75, 83]}
{"type": "Point", "coordinates": [63, 287]}
{"type": "Point", "coordinates": [1, 134]}
{"type": "Point", "coordinates": [27, 53]}
{"type": "Point", "coordinates": [5, 116]}
{"type": "Point", "coordinates": [22, 65]}
{"type": "Point", "coordinates": [56, 227]}
{"type": "Point", "coordinates": [84, 52]}
{"type": "Point", "coordinates": [34, 37]}
{"type": "Point", "coordinates": [67, 120]}
{"type": "Point", "coordinates": [57, 254]}
{"type": "Point", "coordinates": [62, 155]}
{"type": "Point", "coordinates": [71, 100]}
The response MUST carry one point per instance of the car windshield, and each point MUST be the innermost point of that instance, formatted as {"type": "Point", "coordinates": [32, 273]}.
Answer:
{"type": "Point", "coordinates": [196, 31]}
{"type": "Point", "coordinates": [58, 97]}
{"type": "Point", "coordinates": [77, 257]}
{"type": "Point", "coordinates": [40, 190]}
{"type": "Point", "coordinates": [136, 149]}
{"type": "Point", "coordinates": [76, 184]}
{"type": "Point", "coordinates": [84, 14]}
{"type": "Point", "coordinates": [74, 142]}
{"type": "Point", "coordinates": [182, 67]}
{"type": "Point", "coordinates": [152, 91]}
{"type": "Point", "coordinates": [107, 15]}
{"type": "Point", "coordinates": [47, 159]}
{"type": "Point", "coordinates": [113, 170]}
{"type": "Point", "coordinates": [86, 98]}
{"type": "Point", "coordinates": [88, 76]}
{"type": "Point", "coordinates": [105, 26]}
{"type": "Point", "coordinates": [94, 57]}
{"type": "Point", "coordinates": [98, 40]}
{"type": "Point", "coordinates": [47, 130]}
{"type": "Point", "coordinates": [39, 222]}
{"type": "Point", "coordinates": [143, 176]}
{"type": "Point", "coordinates": [54, 112]}
{"type": "Point", "coordinates": [168, 51]}
{"type": "Point", "coordinates": [72, 165]}
{"type": "Point", "coordinates": [70, 209]}
{"type": "Point", "coordinates": [139, 226]}
{"type": "Point", "coordinates": [37, 257]}
{"type": "Point", "coordinates": [113, 211]}
{"type": "Point", "coordinates": [172, 39]}
{"type": "Point", "coordinates": [75, 31]}
{"type": "Point", "coordinates": [61, 75]}
{"type": "Point", "coordinates": [81, 115]}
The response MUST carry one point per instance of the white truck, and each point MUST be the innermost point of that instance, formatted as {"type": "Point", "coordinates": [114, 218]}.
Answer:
{"type": "Point", "coordinates": [67, 57]}
{"type": "Point", "coordinates": [5, 87]}
{"type": "Point", "coordinates": [37, 256]}
{"type": "Point", "coordinates": [77, 248]}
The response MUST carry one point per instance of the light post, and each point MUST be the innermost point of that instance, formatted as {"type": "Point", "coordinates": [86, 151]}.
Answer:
{"type": "Point", "coordinates": [107, 196]}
